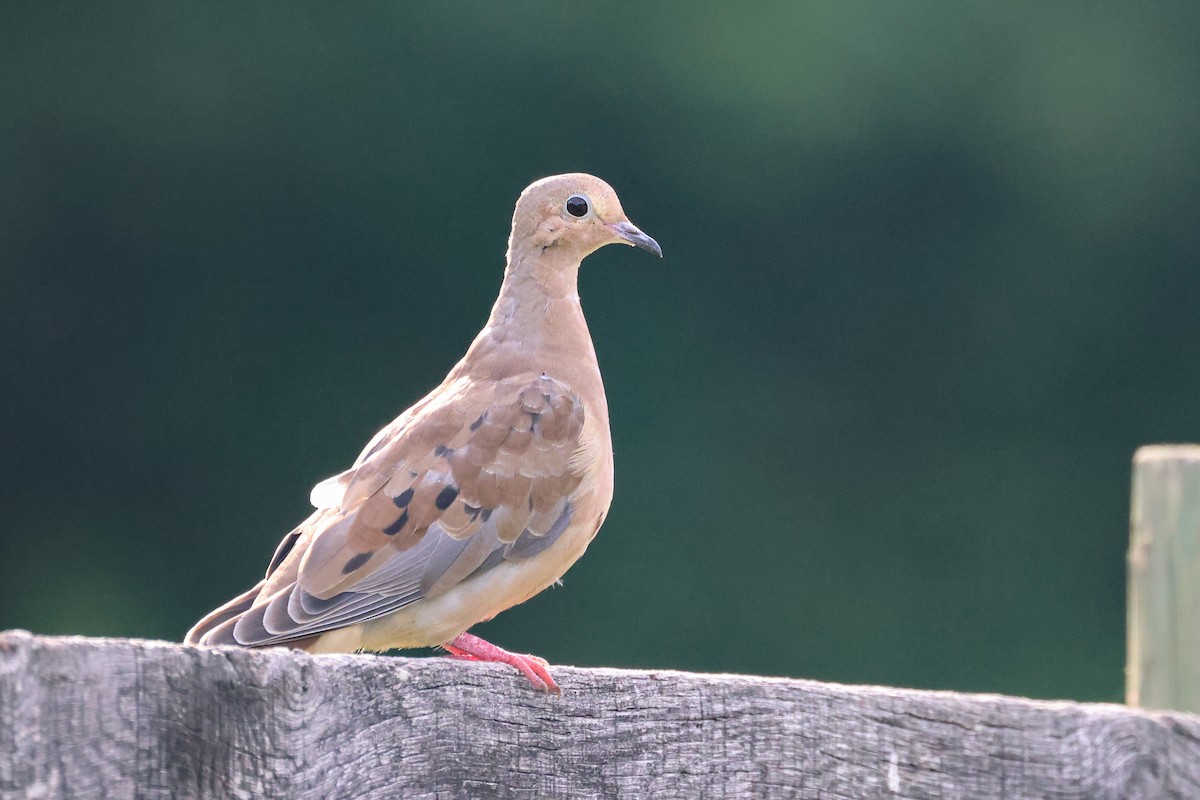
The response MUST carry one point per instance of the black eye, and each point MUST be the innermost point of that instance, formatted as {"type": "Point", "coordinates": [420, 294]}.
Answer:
{"type": "Point", "coordinates": [577, 205]}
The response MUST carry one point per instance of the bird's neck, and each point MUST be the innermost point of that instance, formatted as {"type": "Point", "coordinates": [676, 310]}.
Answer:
{"type": "Point", "coordinates": [540, 294]}
{"type": "Point", "coordinates": [536, 326]}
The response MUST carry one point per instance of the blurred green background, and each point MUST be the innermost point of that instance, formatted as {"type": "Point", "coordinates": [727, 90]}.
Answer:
{"type": "Point", "coordinates": [931, 276]}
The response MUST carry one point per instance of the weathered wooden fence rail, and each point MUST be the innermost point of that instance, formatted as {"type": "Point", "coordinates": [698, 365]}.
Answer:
{"type": "Point", "coordinates": [92, 718]}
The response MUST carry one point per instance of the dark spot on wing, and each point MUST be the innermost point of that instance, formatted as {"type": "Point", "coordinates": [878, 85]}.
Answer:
{"type": "Point", "coordinates": [379, 446]}
{"type": "Point", "coordinates": [446, 497]}
{"type": "Point", "coordinates": [356, 562]}
{"type": "Point", "coordinates": [394, 528]}
{"type": "Point", "coordinates": [441, 450]}
{"type": "Point", "coordinates": [281, 553]}
{"type": "Point", "coordinates": [404, 498]}
{"type": "Point", "coordinates": [475, 425]}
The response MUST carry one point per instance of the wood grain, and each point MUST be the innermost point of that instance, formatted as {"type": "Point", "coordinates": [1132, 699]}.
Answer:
{"type": "Point", "coordinates": [107, 718]}
{"type": "Point", "coordinates": [1164, 579]}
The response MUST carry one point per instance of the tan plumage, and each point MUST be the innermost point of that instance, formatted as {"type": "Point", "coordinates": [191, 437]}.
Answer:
{"type": "Point", "coordinates": [479, 496]}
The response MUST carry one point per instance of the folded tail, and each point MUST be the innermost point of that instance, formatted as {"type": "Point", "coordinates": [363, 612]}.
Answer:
{"type": "Point", "coordinates": [214, 619]}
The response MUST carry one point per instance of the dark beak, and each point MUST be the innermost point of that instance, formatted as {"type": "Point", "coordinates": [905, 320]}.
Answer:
{"type": "Point", "coordinates": [632, 234]}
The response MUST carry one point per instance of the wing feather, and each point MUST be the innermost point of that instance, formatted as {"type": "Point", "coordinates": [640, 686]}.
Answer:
{"type": "Point", "coordinates": [457, 485]}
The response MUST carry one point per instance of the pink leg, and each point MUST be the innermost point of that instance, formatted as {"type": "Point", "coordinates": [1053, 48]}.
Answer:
{"type": "Point", "coordinates": [472, 648]}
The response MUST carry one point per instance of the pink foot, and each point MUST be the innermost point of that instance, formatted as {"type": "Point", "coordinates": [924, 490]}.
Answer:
{"type": "Point", "coordinates": [472, 648]}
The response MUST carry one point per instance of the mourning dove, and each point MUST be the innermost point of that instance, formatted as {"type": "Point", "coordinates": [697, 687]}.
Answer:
{"type": "Point", "coordinates": [479, 496]}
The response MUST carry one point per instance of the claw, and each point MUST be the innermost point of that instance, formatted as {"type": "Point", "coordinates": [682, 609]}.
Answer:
{"type": "Point", "coordinates": [471, 648]}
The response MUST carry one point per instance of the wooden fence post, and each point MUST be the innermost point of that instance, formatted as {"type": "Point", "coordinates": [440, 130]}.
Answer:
{"type": "Point", "coordinates": [1163, 669]}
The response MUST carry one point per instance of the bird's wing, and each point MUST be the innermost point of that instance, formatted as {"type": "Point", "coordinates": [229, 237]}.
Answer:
{"type": "Point", "coordinates": [472, 476]}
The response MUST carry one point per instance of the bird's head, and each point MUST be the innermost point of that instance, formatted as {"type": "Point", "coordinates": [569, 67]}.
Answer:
{"type": "Point", "coordinates": [573, 215]}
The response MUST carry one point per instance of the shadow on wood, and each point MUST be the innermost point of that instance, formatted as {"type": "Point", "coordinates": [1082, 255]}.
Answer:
{"type": "Point", "coordinates": [84, 718]}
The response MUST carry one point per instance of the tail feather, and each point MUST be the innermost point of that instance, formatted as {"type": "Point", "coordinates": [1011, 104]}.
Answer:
{"type": "Point", "coordinates": [231, 610]}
